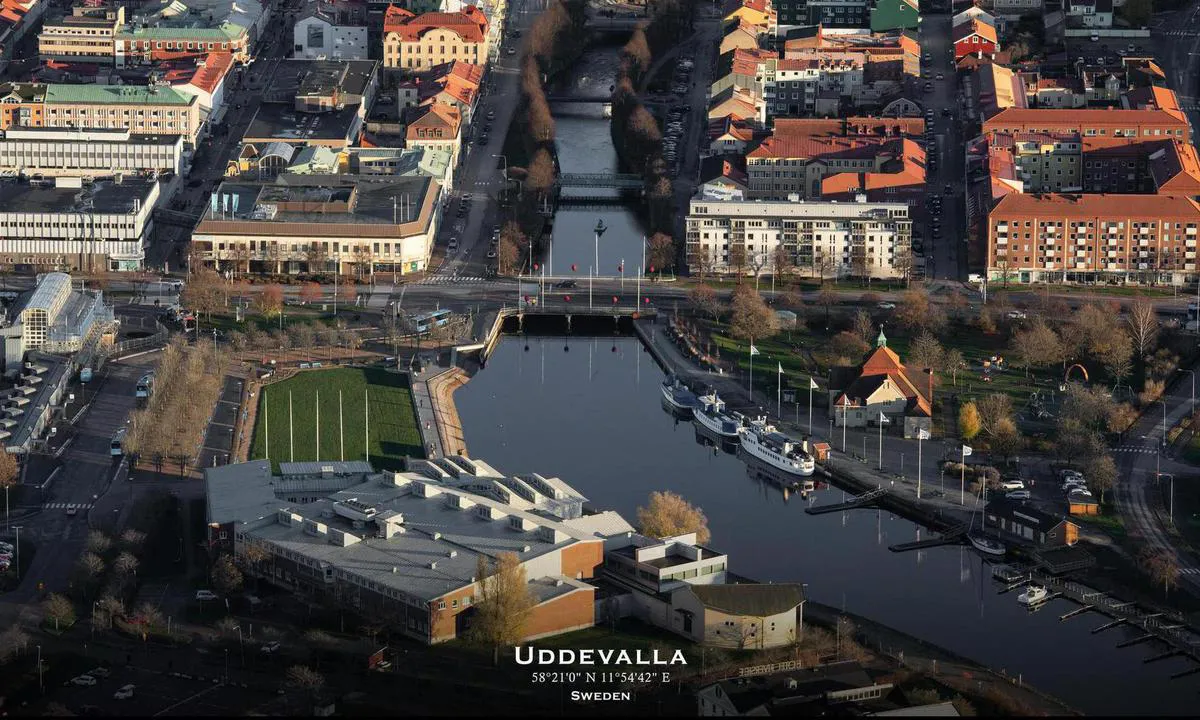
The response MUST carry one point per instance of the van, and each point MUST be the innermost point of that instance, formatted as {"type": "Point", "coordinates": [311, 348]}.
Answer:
{"type": "Point", "coordinates": [1013, 485]}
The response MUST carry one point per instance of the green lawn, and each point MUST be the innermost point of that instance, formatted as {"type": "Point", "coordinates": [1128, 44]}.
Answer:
{"type": "Point", "coordinates": [393, 421]}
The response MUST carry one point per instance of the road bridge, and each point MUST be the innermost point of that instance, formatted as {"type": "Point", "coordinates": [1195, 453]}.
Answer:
{"type": "Point", "coordinates": [618, 181]}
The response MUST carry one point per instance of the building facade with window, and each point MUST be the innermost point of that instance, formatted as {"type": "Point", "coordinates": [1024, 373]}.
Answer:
{"type": "Point", "coordinates": [420, 42]}
{"type": "Point", "coordinates": [142, 110]}
{"type": "Point", "coordinates": [405, 547]}
{"type": "Point", "coordinates": [94, 153]}
{"type": "Point", "coordinates": [88, 34]}
{"type": "Point", "coordinates": [821, 239]}
{"type": "Point", "coordinates": [331, 32]}
{"type": "Point", "coordinates": [1093, 238]}
{"type": "Point", "coordinates": [322, 223]}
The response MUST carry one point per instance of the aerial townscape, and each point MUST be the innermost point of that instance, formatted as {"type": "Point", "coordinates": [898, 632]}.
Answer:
{"type": "Point", "coordinates": [302, 303]}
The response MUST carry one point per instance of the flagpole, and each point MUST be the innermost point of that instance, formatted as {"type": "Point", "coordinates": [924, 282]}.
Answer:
{"type": "Point", "coordinates": [845, 404]}
{"type": "Point", "coordinates": [779, 392]}
{"type": "Point", "coordinates": [811, 383]}
{"type": "Point", "coordinates": [318, 424]}
{"type": "Point", "coordinates": [341, 436]}
{"type": "Point", "coordinates": [267, 426]}
{"type": "Point", "coordinates": [881, 416]}
{"type": "Point", "coordinates": [751, 371]}
{"type": "Point", "coordinates": [291, 426]}
{"type": "Point", "coordinates": [920, 434]}
{"type": "Point", "coordinates": [367, 419]}
{"type": "Point", "coordinates": [962, 480]}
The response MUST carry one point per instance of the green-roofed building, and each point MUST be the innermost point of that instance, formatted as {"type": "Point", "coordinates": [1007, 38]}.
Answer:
{"type": "Point", "coordinates": [894, 15]}
{"type": "Point", "coordinates": [142, 110]}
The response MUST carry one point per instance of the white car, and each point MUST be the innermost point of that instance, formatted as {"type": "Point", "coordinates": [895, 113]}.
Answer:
{"type": "Point", "coordinates": [886, 306]}
{"type": "Point", "coordinates": [271, 647]}
{"type": "Point", "coordinates": [1016, 315]}
{"type": "Point", "coordinates": [1012, 485]}
{"type": "Point", "coordinates": [1018, 495]}
{"type": "Point", "coordinates": [1064, 474]}
{"type": "Point", "coordinates": [206, 595]}
{"type": "Point", "coordinates": [83, 681]}
{"type": "Point", "coordinates": [1079, 491]}
{"type": "Point", "coordinates": [124, 693]}
{"type": "Point", "coordinates": [99, 672]}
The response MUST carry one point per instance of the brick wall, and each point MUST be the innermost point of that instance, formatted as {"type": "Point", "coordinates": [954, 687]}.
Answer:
{"type": "Point", "coordinates": [572, 611]}
{"type": "Point", "coordinates": [584, 558]}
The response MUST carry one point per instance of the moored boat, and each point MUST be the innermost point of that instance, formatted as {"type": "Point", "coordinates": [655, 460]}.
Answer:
{"type": "Point", "coordinates": [710, 413]}
{"type": "Point", "coordinates": [1033, 594]}
{"type": "Point", "coordinates": [762, 441]}
{"type": "Point", "coordinates": [678, 395]}
{"type": "Point", "coordinates": [986, 545]}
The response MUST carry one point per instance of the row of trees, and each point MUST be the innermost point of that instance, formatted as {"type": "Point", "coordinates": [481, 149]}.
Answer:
{"type": "Point", "coordinates": [187, 383]}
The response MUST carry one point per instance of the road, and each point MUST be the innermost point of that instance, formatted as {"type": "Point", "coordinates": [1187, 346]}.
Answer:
{"type": "Point", "coordinates": [90, 481]}
{"type": "Point", "coordinates": [481, 176]}
{"type": "Point", "coordinates": [1175, 37]}
{"type": "Point", "coordinates": [945, 256]}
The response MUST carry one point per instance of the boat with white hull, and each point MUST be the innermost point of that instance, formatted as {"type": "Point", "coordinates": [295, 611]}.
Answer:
{"type": "Point", "coordinates": [986, 545]}
{"type": "Point", "coordinates": [762, 441]}
{"type": "Point", "coordinates": [1033, 595]}
{"type": "Point", "coordinates": [710, 413]}
{"type": "Point", "coordinates": [678, 395]}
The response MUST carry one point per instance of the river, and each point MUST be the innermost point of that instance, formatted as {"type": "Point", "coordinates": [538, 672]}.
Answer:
{"type": "Point", "coordinates": [585, 147]}
{"type": "Point", "coordinates": [592, 415]}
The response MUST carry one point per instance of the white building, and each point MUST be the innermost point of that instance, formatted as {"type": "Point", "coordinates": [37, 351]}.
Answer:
{"type": "Point", "coordinates": [92, 153]}
{"type": "Point", "coordinates": [94, 227]}
{"type": "Point", "coordinates": [822, 239]}
{"type": "Point", "coordinates": [54, 317]}
{"type": "Point", "coordinates": [326, 32]}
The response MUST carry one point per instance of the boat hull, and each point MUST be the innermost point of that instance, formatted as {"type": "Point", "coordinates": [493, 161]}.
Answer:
{"type": "Point", "coordinates": [758, 452]}
{"type": "Point", "coordinates": [987, 546]}
{"type": "Point", "coordinates": [723, 426]}
{"type": "Point", "coordinates": [668, 394]}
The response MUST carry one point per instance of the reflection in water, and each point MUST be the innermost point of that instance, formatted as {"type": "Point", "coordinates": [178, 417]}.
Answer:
{"type": "Point", "coordinates": [595, 420]}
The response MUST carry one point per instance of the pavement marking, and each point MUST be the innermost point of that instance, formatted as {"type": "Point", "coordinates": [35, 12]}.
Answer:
{"type": "Point", "coordinates": [1147, 450]}
{"type": "Point", "coordinates": [1189, 571]}
{"type": "Point", "coordinates": [67, 506]}
{"type": "Point", "coordinates": [450, 280]}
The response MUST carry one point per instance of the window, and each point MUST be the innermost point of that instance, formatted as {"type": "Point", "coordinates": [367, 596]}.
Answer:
{"type": "Point", "coordinates": [441, 605]}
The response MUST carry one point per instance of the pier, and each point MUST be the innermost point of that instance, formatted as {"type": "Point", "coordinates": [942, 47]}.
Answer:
{"type": "Point", "coordinates": [866, 500]}
{"type": "Point", "coordinates": [952, 536]}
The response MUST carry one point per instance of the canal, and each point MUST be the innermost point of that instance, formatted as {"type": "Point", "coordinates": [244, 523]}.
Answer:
{"type": "Point", "coordinates": [589, 411]}
{"type": "Point", "coordinates": [585, 147]}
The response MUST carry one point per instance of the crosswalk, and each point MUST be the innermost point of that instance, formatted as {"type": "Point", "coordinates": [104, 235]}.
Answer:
{"type": "Point", "coordinates": [1178, 33]}
{"type": "Point", "coordinates": [1189, 571]}
{"type": "Point", "coordinates": [451, 280]}
{"type": "Point", "coordinates": [1136, 449]}
{"type": "Point", "coordinates": [67, 506]}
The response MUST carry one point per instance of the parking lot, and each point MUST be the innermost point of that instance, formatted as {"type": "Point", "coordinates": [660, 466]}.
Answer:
{"type": "Point", "coordinates": [675, 122]}
{"type": "Point", "coordinates": [161, 692]}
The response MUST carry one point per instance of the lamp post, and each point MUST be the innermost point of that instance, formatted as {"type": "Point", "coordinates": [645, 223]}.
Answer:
{"type": "Point", "coordinates": [1163, 442]}
{"type": "Point", "coordinates": [504, 157]}
{"type": "Point", "coordinates": [598, 230]}
{"type": "Point", "coordinates": [17, 548]}
{"type": "Point", "coordinates": [1193, 374]}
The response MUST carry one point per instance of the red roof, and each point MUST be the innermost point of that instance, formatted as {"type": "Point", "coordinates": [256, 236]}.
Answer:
{"type": "Point", "coordinates": [209, 76]}
{"type": "Point", "coordinates": [884, 364]}
{"type": "Point", "coordinates": [470, 24]}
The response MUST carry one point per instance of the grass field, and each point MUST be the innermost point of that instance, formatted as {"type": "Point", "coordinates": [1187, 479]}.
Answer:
{"type": "Point", "coordinates": [393, 422]}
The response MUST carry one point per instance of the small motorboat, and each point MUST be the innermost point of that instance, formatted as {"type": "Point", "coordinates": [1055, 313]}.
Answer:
{"type": "Point", "coordinates": [1033, 595]}
{"type": "Point", "coordinates": [986, 545]}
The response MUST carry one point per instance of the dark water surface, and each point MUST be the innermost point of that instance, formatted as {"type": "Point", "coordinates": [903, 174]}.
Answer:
{"type": "Point", "coordinates": [593, 417]}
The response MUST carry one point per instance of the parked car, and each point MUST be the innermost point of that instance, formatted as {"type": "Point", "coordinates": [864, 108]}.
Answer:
{"type": "Point", "coordinates": [100, 672]}
{"type": "Point", "coordinates": [491, 254]}
{"type": "Point", "coordinates": [1016, 315]}
{"type": "Point", "coordinates": [1012, 485]}
{"type": "Point", "coordinates": [83, 681]}
{"type": "Point", "coordinates": [1018, 495]}
{"type": "Point", "coordinates": [567, 284]}
{"type": "Point", "coordinates": [886, 306]}
{"type": "Point", "coordinates": [512, 51]}
{"type": "Point", "coordinates": [269, 648]}
{"type": "Point", "coordinates": [125, 692]}
{"type": "Point", "coordinates": [72, 512]}
{"type": "Point", "coordinates": [1080, 491]}
{"type": "Point", "coordinates": [202, 595]}
{"type": "Point", "coordinates": [1064, 474]}
{"type": "Point", "coordinates": [940, 76]}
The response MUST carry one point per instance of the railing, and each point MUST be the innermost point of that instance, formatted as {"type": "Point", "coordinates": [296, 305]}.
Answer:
{"type": "Point", "coordinates": [605, 180]}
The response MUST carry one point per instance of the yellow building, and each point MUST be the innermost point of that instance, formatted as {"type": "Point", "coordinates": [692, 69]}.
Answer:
{"type": "Point", "coordinates": [88, 34]}
{"type": "Point", "coordinates": [421, 42]}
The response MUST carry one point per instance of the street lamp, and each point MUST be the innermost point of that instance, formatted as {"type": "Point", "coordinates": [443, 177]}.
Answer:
{"type": "Point", "coordinates": [1164, 430]}
{"type": "Point", "coordinates": [1193, 374]}
{"type": "Point", "coordinates": [17, 548]}
{"type": "Point", "coordinates": [599, 230]}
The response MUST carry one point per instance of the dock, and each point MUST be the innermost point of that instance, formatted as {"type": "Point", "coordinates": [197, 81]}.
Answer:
{"type": "Point", "coordinates": [865, 500]}
{"type": "Point", "coordinates": [952, 536]}
{"type": "Point", "coordinates": [1076, 611]}
{"type": "Point", "coordinates": [1113, 624]}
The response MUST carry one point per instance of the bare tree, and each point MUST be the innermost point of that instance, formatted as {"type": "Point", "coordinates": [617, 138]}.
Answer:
{"type": "Point", "coordinates": [668, 515]}
{"type": "Point", "coordinates": [13, 641]}
{"type": "Point", "coordinates": [1161, 565]}
{"type": "Point", "coordinates": [310, 292]}
{"type": "Point", "coordinates": [660, 252]}
{"type": "Point", "coordinates": [269, 301]}
{"type": "Point", "coordinates": [827, 298]}
{"type": "Point", "coordinates": [863, 326]}
{"type": "Point", "coordinates": [225, 575]}
{"type": "Point", "coordinates": [59, 610]}
{"type": "Point", "coordinates": [704, 299]}
{"type": "Point", "coordinates": [952, 362]}
{"type": "Point", "coordinates": [1101, 473]}
{"type": "Point", "coordinates": [926, 351]}
{"type": "Point", "coordinates": [503, 605]}
{"type": "Point", "coordinates": [98, 542]}
{"type": "Point", "coordinates": [995, 409]}
{"type": "Point", "coordinates": [751, 317]}
{"type": "Point", "coordinates": [1143, 326]}
{"type": "Point", "coordinates": [1037, 346]}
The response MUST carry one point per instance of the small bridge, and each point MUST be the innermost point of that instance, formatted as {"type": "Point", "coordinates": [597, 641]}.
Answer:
{"type": "Point", "coordinates": [175, 218]}
{"type": "Point", "coordinates": [614, 24]}
{"type": "Point", "coordinates": [618, 181]}
{"type": "Point", "coordinates": [952, 536]}
{"type": "Point", "coordinates": [865, 500]}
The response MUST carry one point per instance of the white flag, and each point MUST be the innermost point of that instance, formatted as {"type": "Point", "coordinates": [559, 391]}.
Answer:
{"type": "Point", "coordinates": [780, 367]}
{"type": "Point", "coordinates": [753, 350]}
{"type": "Point", "coordinates": [922, 434]}
{"type": "Point", "coordinates": [882, 418]}
{"type": "Point", "coordinates": [966, 450]}
{"type": "Point", "coordinates": [812, 384]}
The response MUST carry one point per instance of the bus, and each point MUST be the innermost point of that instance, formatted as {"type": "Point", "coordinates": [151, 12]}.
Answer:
{"type": "Point", "coordinates": [145, 386]}
{"type": "Point", "coordinates": [118, 440]}
{"type": "Point", "coordinates": [427, 321]}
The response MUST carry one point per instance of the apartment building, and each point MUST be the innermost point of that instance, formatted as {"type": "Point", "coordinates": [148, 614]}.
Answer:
{"type": "Point", "coordinates": [143, 110]}
{"type": "Point", "coordinates": [1147, 124]}
{"type": "Point", "coordinates": [1088, 238]}
{"type": "Point", "coordinates": [823, 239]}
{"type": "Point", "coordinates": [826, 13]}
{"type": "Point", "coordinates": [794, 86]}
{"type": "Point", "coordinates": [95, 227]}
{"type": "Point", "coordinates": [420, 42]}
{"type": "Point", "coordinates": [92, 153]}
{"type": "Point", "coordinates": [405, 547]}
{"type": "Point", "coordinates": [1037, 162]}
{"type": "Point", "coordinates": [322, 223]}
{"type": "Point", "coordinates": [800, 153]}
{"type": "Point", "coordinates": [88, 34]}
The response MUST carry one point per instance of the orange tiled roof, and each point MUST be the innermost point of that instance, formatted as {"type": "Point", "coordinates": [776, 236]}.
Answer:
{"type": "Point", "coordinates": [975, 27]}
{"type": "Point", "coordinates": [908, 173]}
{"type": "Point", "coordinates": [216, 66]}
{"type": "Point", "coordinates": [1097, 205]}
{"type": "Point", "coordinates": [1092, 117]}
{"type": "Point", "coordinates": [883, 363]}
{"type": "Point", "coordinates": [469, 23]}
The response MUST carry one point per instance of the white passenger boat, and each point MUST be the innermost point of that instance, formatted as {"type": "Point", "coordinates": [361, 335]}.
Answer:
{"type": "Point", "coordinates": [710, 413]}
{"type": "Point", "coordinates": [678, 395]}
{"type": "Point", "coordinates": [1033, 594]}
{"type": "Point", "coordinates": [762, 441]}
